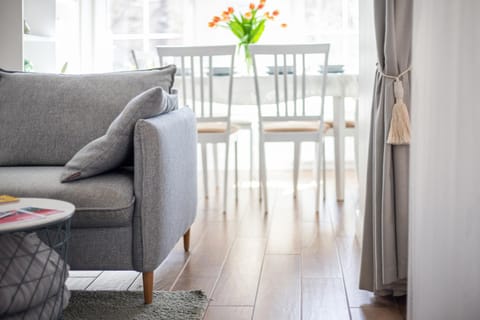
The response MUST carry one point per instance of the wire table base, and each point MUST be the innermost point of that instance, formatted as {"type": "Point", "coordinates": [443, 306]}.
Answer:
{"type": "Point", "coordinates": [33, 271]}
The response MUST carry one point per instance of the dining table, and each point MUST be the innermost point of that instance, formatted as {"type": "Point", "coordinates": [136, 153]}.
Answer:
{"type": "Point", "coordinates": [339, 86]}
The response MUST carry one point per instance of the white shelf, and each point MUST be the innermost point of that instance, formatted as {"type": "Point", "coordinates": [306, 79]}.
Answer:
{"type": "Point", "coordinates": [37, 38]}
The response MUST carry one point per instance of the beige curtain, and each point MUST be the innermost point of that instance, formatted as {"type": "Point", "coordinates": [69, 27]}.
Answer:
{"type": "Point", "coordinates": [385, 247]}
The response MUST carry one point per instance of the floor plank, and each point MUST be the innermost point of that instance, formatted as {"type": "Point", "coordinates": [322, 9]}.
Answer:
{"type": "Point", "coordinates": [238, 282]}
{"type": "Point", "coordinates": [349, 252]}
{"type": "Point", "coordinates": [114, 280]}
{"type": "Point", "coordinates": [324, 298]}
{"type": "Point", "coordinates": [319, 256]}
{"type": "Point", "coordinates": [206, 284]}
{"type": "Point", "coordinates": [279, 292]}
{"type": "Point", "coordinates": [84, 273]}
{"type": "Point", "coordinates": [230, 313]}
{"type": "Point", "coordinates": [79, 283]}
{"type": "Point", "coordinates": [375, 313]}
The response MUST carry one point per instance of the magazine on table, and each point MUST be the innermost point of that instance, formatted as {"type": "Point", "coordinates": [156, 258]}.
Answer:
{"type": "Point", "coordinates": [26, 214]}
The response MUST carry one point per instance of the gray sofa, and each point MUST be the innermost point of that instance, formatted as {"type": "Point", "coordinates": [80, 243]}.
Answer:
{"type": "Point", "coordinates": [129, 218]}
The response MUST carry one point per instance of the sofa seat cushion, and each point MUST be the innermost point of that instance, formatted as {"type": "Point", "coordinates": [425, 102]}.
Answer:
{"type": "Point", "coordinates": [102, 201]}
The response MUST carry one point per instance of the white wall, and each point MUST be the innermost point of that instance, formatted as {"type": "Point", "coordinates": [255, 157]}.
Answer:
{"type": "Point", "coordinates": [368, 58]}
{"type": "Point", "coordinates": [444, 278]}
{"type": "Point", "coordinates": [11, 34]}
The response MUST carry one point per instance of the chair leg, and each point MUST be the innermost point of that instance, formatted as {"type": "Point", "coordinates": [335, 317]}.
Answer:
{"type": "Point", "coordinates": [317, 192]}
{"type": "Point", "coordinates": [186, 241]}
{"type": "Point", "coordinates": [251, 154]}
{"type": "Point", "coordinates": [296, 167]}
{"type": "Point", "coordinates": [355, 143]}
{"type": "Point", "coordinates": [260, 174]}
{"type": "Point", "coordinates": [148, 287]}
{"type": "Point", "coordinates": [264, 174]}
{"type": "Point", "coordinates": [324, 169]}
{"type": "Point", "coordinates": [205, 169]}
{"type": "Point", "coordinates": [215, 163]}
{"type": "Point", "coordinates": [236, 170]}
{"type": "Point", "coordinates": [356, 139]}
{"type": "Point", "coordinates": [225, 179]}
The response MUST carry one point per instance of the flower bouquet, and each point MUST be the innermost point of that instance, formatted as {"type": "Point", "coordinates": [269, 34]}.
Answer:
{"type": "Point", "coordinates": [248, 27]}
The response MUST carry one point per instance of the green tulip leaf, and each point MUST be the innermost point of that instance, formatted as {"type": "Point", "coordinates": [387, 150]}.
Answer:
{"type": "Point", "coordinates": [237, 29]}
{"type": "Point", "coordinates": [257, 32]}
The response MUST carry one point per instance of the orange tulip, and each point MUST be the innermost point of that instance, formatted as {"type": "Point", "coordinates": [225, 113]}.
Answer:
{"type": "Point", "coordinates": [230, 10]}
{"type": "Point", "coordinates": [275, 12]}
{"type": "Point", "coordinates": [225, 13]}
{"type": "Point", "coordinates": [262, 1]}
{"type": "Point", "coordinates": [268, 16]}
{"type": "Point", "coordinates": [216, 19]}
{"type": "Point", "coordinates": [252, 6]}
{"type": "Point", "coordinates": [260, 6]}
{"type": "Point", "coordinates": [248, 15]}
{"type": "Point", "coordinates": [211, 24]}
{"type": "Point", "coordinates": [283, 25]}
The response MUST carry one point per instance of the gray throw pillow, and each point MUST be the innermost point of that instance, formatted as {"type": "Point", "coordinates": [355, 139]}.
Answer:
{"type": "Point", "coordinates": [110, 150]}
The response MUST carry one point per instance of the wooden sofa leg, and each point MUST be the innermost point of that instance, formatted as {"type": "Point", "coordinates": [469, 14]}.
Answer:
{"type": "Point", "coordinates": [148, 287]}
{"type": "Point", "coordinates": [186, 241]}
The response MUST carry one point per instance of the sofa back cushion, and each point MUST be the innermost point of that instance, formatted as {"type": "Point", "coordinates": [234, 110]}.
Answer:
{"type": "Point", "coordinates": [46, 118]}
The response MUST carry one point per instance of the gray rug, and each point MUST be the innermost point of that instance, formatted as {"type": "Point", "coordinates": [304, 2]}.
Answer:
{"type": "Point", "coordinates": [123, 305]}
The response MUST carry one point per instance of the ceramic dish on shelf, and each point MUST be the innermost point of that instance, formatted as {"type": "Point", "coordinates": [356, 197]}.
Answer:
{"type": "Point", "coordinates": [221, 71]}
{"type": "Point", "coordinates": [271, 69]}
{"type": "Point", "coordinates": [188, 72]}
{"type": "Point", "coordinates": [333, 68]}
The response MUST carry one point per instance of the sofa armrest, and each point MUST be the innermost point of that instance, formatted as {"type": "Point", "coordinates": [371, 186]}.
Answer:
{"type": "Point", "coordinates": [165, 178]}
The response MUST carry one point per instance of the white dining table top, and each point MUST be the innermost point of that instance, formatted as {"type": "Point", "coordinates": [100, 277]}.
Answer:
{"type": "Point", "coordinates": [338, 85]}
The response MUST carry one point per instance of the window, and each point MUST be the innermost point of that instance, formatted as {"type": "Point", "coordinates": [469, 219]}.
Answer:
{"type": "Point", "coordinates": [137, 26]}
{"type": "Point", "coordinates": [140, 25]}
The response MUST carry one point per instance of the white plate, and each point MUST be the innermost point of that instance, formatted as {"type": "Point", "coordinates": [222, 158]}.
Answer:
{"type": "Point", "coordinates": [333, 68]}
{"type": "Point", "coordinates": [271, 69]}
{"type": "Point", "coordinates": [221, 71]}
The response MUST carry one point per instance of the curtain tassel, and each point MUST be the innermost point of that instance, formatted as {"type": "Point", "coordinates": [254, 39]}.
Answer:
{"type": "Point", "coordinates": [399, 132]}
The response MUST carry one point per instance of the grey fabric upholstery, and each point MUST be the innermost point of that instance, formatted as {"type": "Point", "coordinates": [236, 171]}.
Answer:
{"type": "Point", "coordinates": [46, 118]}
{"type": "Point", "coordinates": [112, 149]}
{"type": "Point", "coordinates": [103, 201]}
{"type": "Point", "coordinates": [165, 184]}
{"type": "Point", "coordinates": [101, 249]}
{"type": "Point", "coordinates": [127, 218]}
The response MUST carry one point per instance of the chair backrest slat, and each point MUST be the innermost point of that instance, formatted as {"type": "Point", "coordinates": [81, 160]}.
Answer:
{"type": "Point", "coordinates": [285, 85]}
{"type": "Point", "coordinates": [295, 85]}
{"type": "Point", "coordinates": [200, 61]}
{"type": "Point", "coordinates": [316, 53]}
{"type": "Point", "coordinates": [277, 98]}
{"type": "Point", "coordinates": [210, 84]}
{"type": "Point", "coordinates": [303, 83]}
{"type": "Point", "coordinates": [184, 81]}
{"type": "Point", "coordinates": [201, 75]}
{"type": "Point", "coordinates": [192, 80]}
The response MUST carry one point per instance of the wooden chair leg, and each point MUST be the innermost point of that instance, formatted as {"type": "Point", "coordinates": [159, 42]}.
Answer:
{"type": "Point", "coordinates": [186, 241]}
{"type": "Point", "coordinates": [148, 287]}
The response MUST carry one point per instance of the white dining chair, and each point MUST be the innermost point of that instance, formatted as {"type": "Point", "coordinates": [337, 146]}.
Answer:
{"type": "Point", "coordinates": [290, 119]}
{"type": "Point", "coordinates": [196, 68]}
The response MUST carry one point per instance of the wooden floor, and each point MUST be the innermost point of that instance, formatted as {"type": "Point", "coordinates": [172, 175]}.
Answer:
{"type": "Point", "coordinates": [288, 264]}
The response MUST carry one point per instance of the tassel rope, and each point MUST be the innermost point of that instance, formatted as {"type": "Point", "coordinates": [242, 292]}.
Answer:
{"type": "Point", "coordinates": [399, 132]}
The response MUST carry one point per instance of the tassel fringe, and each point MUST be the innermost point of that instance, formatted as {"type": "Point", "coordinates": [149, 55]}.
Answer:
{"type": "Point", "coordinates": [399, 132]}
{"type": "Point", "coordinates": [399, 125]}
